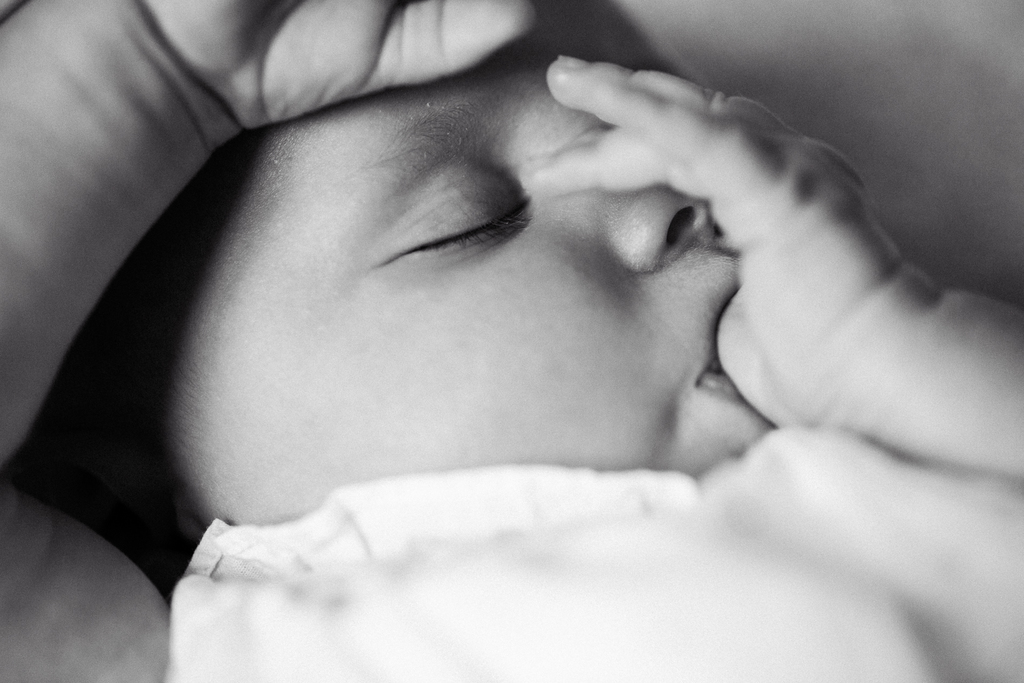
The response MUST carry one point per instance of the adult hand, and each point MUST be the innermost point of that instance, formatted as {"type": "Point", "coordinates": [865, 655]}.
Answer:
{"type": "Point", "coordinates": [269, 60]}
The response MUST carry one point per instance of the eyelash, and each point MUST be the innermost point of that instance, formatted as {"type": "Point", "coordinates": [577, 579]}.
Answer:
{"type": "Point", "coordinates": [502, 228]}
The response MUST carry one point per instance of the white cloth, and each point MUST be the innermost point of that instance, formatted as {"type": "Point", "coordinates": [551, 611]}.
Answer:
{"type": "Point", "coordinates": [246, 581]}
{"type": "Point", "coordinates": [392, 518]}
{"type": "Point", "coordinates": [537, 574]}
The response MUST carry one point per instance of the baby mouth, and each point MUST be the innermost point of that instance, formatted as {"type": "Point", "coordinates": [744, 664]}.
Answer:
{"type": "Point", "coordinates": [716, 383]}
{"type": "Point", "coordinates": [715, 380]}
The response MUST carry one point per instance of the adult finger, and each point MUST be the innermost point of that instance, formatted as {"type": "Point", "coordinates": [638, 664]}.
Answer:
{"type": "Point", "coordinates": [319, 53]}
{"type": "Point", "coordinates": [432, 38]}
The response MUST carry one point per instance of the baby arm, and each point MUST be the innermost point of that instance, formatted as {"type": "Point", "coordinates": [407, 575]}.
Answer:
{"type": "Point", "coordinates": [830, 327]}
{"type": "Point", "coordinates": [107, 108]}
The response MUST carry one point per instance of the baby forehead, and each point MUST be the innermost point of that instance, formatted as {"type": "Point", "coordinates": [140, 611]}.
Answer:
{"type": "Point", "coordinates": [415, 128]}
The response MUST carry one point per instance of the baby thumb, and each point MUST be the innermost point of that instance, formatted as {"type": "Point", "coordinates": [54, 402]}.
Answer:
{"type": "Point", "coordinates": [745, 363]}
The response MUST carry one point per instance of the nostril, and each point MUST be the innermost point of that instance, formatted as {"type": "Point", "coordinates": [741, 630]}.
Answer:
{"type": "Point", "coordinates": [680, 224]}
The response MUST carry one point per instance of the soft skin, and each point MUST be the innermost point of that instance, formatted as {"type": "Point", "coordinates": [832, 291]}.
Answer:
{"type": "Point", "coordinates": [276, 338]}
{"type": "Point", "coordinates": [830, 327]}
{"type": "Point", "coordinates": [326, 349]}
{"type": "Point", "coordinates": [107, 108]}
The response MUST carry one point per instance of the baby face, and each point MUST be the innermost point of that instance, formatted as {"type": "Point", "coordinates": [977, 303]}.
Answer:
{"type": "Point", "coordinates": [387, 300]}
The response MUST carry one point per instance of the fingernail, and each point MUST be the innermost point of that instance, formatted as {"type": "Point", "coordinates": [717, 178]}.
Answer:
{"type": "Point", "coordinates": [571, 63]}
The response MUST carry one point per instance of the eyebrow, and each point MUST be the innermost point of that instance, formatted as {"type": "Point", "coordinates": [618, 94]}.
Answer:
{"type": "Point", "coordinates": [436, 137]}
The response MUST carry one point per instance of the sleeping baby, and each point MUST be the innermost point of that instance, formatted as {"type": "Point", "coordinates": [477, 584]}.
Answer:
{"type": "Point", "coordinates": [608, 271]}
{"type": "Point", "coordinates": [370, 291]}
{"type": "Point", "coordinates": [581, 265]}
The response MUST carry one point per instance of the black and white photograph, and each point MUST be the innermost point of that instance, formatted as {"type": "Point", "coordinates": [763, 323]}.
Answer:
{"type": "Point", "coordinates": [511, 341]}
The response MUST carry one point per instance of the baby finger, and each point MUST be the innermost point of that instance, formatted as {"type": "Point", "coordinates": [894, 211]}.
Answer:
{"type": "Point", "coordinates": [617, 161]}
{"type": "Point", "coordinates": [616, 94]}
{"type": "Point", "coordinates": [709, 150]}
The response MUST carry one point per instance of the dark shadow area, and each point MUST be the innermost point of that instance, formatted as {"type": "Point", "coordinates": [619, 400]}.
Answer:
{"type": "Point", "coordinates": [98, 450]}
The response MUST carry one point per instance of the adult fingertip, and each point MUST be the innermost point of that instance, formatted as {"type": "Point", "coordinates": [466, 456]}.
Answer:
{"type": "Point", "coordinates": [476, 28]}
{"type": "Point", "coordinates": [511, 17]}
{"type": "Point", "coordinates": [520, 16]}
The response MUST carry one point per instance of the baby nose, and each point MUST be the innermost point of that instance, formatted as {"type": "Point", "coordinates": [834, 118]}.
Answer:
{"type": "Point", "coordinates": [651, 229]}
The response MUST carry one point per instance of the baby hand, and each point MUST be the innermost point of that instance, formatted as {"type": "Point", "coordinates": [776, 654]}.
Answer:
{"type": "Point", "coordinates": [816, 273]}
{"type": "Point", "coordinates": [269, 60]}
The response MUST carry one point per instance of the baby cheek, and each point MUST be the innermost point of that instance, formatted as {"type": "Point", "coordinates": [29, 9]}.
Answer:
{"type": "Point", "coordinates": [516, 372]}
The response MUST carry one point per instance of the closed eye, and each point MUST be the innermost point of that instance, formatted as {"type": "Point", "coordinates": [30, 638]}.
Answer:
{"type": "Point", "coordinates": [499, 229]}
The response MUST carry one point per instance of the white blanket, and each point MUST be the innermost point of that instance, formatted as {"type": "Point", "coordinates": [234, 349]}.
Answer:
{"type": "Point", "coordinates": [416, 514]}
{"type": "Point", "coordinates": [809, 562]}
